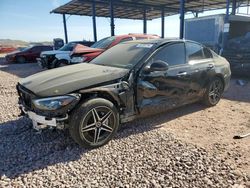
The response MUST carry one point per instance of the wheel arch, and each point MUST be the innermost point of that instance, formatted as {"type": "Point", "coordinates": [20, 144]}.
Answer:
{"type": "Point", "coordinates": [220, 76]}
{"type": "Point", "coordinates": [108, 95]}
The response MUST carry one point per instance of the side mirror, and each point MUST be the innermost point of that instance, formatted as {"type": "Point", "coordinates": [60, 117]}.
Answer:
{"type": "Point", "coordinates": [157, 65]}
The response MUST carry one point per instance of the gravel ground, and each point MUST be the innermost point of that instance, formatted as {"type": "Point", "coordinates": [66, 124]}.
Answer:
{"type": "Point", "coordinates": [166, 150]}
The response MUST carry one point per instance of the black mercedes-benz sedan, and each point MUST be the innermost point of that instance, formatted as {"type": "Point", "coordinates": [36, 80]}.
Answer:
{"type": "Point", "coordinates": [130, 80]}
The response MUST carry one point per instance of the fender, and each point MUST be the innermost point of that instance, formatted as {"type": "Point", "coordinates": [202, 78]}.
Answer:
{"type": "Point", "coordinates": [120, 94]}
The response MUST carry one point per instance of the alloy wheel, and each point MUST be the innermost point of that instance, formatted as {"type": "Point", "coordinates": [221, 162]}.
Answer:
{"type": "Point", "coordinates": [97, 125]}
{"type": "Point", "coordinates": [215, 91]}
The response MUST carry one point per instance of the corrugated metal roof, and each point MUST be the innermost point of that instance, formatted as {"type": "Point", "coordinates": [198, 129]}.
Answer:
{"type": "Point", "coordinates": [133, 9]}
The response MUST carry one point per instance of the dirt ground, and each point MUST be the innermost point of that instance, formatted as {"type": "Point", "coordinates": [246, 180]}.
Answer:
{"type": "Point", "coordinates": [214, 128]}
{"type": "Point", "coordinates": [210, 128]}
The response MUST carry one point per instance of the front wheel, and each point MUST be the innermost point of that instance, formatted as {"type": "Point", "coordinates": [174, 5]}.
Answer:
{"type": "Point", "coordinates": [213, 92]}
{"type": "Point", "coordinates": [94, 123]}
{"type": "Point", "coordinates": [21, 59]}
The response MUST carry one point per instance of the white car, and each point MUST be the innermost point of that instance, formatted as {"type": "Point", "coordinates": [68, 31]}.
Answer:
{"type": "Point", "coordinates": [56, 58]}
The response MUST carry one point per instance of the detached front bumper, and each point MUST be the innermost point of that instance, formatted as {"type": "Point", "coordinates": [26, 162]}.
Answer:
{"type": "Point", "coordinates": [41, 122]}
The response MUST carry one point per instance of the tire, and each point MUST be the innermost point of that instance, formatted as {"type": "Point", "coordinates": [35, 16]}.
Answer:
{"type": "Point", "coordinates": [21, 59]}
{"type": "Point", "coordinates": [94, 123]}
{"type": "Point", "coordinates": [213, 92]}
{"type": "Point", "coordinates": [60, 63]}
{"type": "Point", "coordinates": [52, 64]}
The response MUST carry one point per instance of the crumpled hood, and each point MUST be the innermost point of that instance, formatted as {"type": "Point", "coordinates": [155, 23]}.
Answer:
{"type": "Point", "coordinates": [80, 49]}
{"type": "Point", "coordinates": [64, 80]}
{"type": "Point", "coordinates": [52, 52]}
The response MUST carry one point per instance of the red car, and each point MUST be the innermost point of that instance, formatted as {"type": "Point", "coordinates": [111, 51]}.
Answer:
{"type": "Point", "coordinates": [28, 54]}
{"type": "Point", "coordinates": [6, 49]}
{"type": "Point", "coordinates": [85, 54]}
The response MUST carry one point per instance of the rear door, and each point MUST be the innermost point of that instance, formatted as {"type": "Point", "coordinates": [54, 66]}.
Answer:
{"type": "Point", "coordinates": [201, 64]}
{"type": "Point", "coordinates": [158, 91]}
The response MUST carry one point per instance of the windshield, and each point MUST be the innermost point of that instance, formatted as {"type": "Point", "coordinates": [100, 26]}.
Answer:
{"type": "Point", "coordinates": [124, 55]}
{"type": "Point", "coordinates": [68, 47]}
{"type": "Point", "coordinates": [27, 48]}
{"type": "Point", "coordinates": [103, 43]}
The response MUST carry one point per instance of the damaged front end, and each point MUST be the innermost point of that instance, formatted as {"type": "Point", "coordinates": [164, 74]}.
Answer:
{"type": "Point", "coordinates": [50, 112]}
{"type": "Point", "coordinates": [120, 92]}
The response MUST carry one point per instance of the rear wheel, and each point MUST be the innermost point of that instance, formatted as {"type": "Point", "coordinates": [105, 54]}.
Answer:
{"type": "Point", "coordinates": [94, 123]}
{"type": "Point", "coordinates": [214, 92]}
{"type": "Point", "coordinates": [21, 59]}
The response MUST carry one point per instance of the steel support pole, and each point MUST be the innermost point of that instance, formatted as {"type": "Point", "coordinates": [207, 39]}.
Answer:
{"type": "Point", "coordinates": [227, 11]}
{"type": "Point", "coordinates": [234, 7]}
{"type": "Point", "coordinates": [162, 23]}
{"type": "Point", "coordinates": [197, 14]}
{"type": "Point", "coordinates": [65, 29]}
{"type": "Point", "coordinates": [226, 28]}
{"type": "Point", "coordinates": [182, 18]}
{"type": "Point", "coordinates": [94, 21]}
{"type": "Point", "coordinates": [112, 24]}
{"type": "Point", "coordinates": [145, 21]}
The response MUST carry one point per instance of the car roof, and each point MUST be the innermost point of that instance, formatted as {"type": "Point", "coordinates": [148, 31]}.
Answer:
{"type": "Point", "coordinates": [154, 41]}
{"type": "Point", "coordinates": [41, 46]}
{"type": "Point", "coordinates": [159, 41]}
{"type": "Point", "coordinates": [136, 35]}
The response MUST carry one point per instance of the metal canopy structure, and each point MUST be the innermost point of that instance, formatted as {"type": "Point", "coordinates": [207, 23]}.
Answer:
{"type": "Point", "coordinates": [143, 10]}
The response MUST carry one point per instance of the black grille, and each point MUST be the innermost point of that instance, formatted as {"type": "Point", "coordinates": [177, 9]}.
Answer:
{"type": "Point", "coordinates": [25, 96]}
{"type": "Point", "coordinates": [48, 58]}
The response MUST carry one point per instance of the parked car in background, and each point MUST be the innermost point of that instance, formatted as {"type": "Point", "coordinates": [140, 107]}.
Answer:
{"type": "Point", "coordinates": [54, 58]}
{"type": "Point", "coordinates": [81, 54]}
{"type": "Point", "coordinates": [130, 80]}
{"type": "Point", "coordinates": [7, 49]}
{"type": "Point", "coordinates": [28, 54]}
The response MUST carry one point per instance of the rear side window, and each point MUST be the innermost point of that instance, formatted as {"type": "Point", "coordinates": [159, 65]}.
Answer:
{"type": "Point", "coordinates": [194, 51]}
{"type": "Point", "coordinates": [207, 53]}
{"type": "Point", "coordinates": [173, 54]}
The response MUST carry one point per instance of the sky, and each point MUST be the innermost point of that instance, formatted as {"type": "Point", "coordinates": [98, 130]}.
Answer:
{"type": "Point", "coordinates": [30, 20]}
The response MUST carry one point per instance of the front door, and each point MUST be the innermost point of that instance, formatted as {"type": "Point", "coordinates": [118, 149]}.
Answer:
{"type": "Point", "coordinates": [161, 90]}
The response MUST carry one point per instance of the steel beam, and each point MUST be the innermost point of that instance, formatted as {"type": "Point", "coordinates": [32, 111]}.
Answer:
{"type": "Point", "coordinates": [112, 23]}
{"type": "Point", "coordinates": [234, 7]}
{"type": "Point", "coordinates": [182, 18]}
{"type": "Point", "coordinates": [94, 21]}
{"type": "Point", "coordinates": [226, 25]}
{"type": "Point", "coordinates": [65, 29]}
{"type": "Point", "coordinates": [227, 11]}
{"type": "Point", "coordinates": [162, 23]}
{"type": "Point", "coordinates": [144, 20]}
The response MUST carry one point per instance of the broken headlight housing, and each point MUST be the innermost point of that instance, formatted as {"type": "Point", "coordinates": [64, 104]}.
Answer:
{"type": "Point", "coordinates": [55, 103]}
{"type": "Point", "coordinates": [78, 59]}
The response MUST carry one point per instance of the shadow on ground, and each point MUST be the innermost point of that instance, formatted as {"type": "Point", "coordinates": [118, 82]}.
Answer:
{"type": "Point", "coordinates": [20, 70]}
{"type": "Point", "coordinates": [238, 92]}
{"type": "Point", "coordinates": [22, 150]}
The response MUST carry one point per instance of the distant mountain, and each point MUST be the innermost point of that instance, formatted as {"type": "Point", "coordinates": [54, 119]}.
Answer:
{"type": "Point", "coordinates": [14, 43]}
{"type": "Point", "coordinates": [20, 43]}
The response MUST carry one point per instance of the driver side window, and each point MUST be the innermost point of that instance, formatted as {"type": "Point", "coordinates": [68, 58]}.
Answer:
{"type": "Point", "coordinates": [173, 54]}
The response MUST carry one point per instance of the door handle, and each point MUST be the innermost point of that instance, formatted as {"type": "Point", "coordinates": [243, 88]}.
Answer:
{"type": "Point", "coordinates": [210, 66]}
{"type": "Point", "coordinates": [181, 74]}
